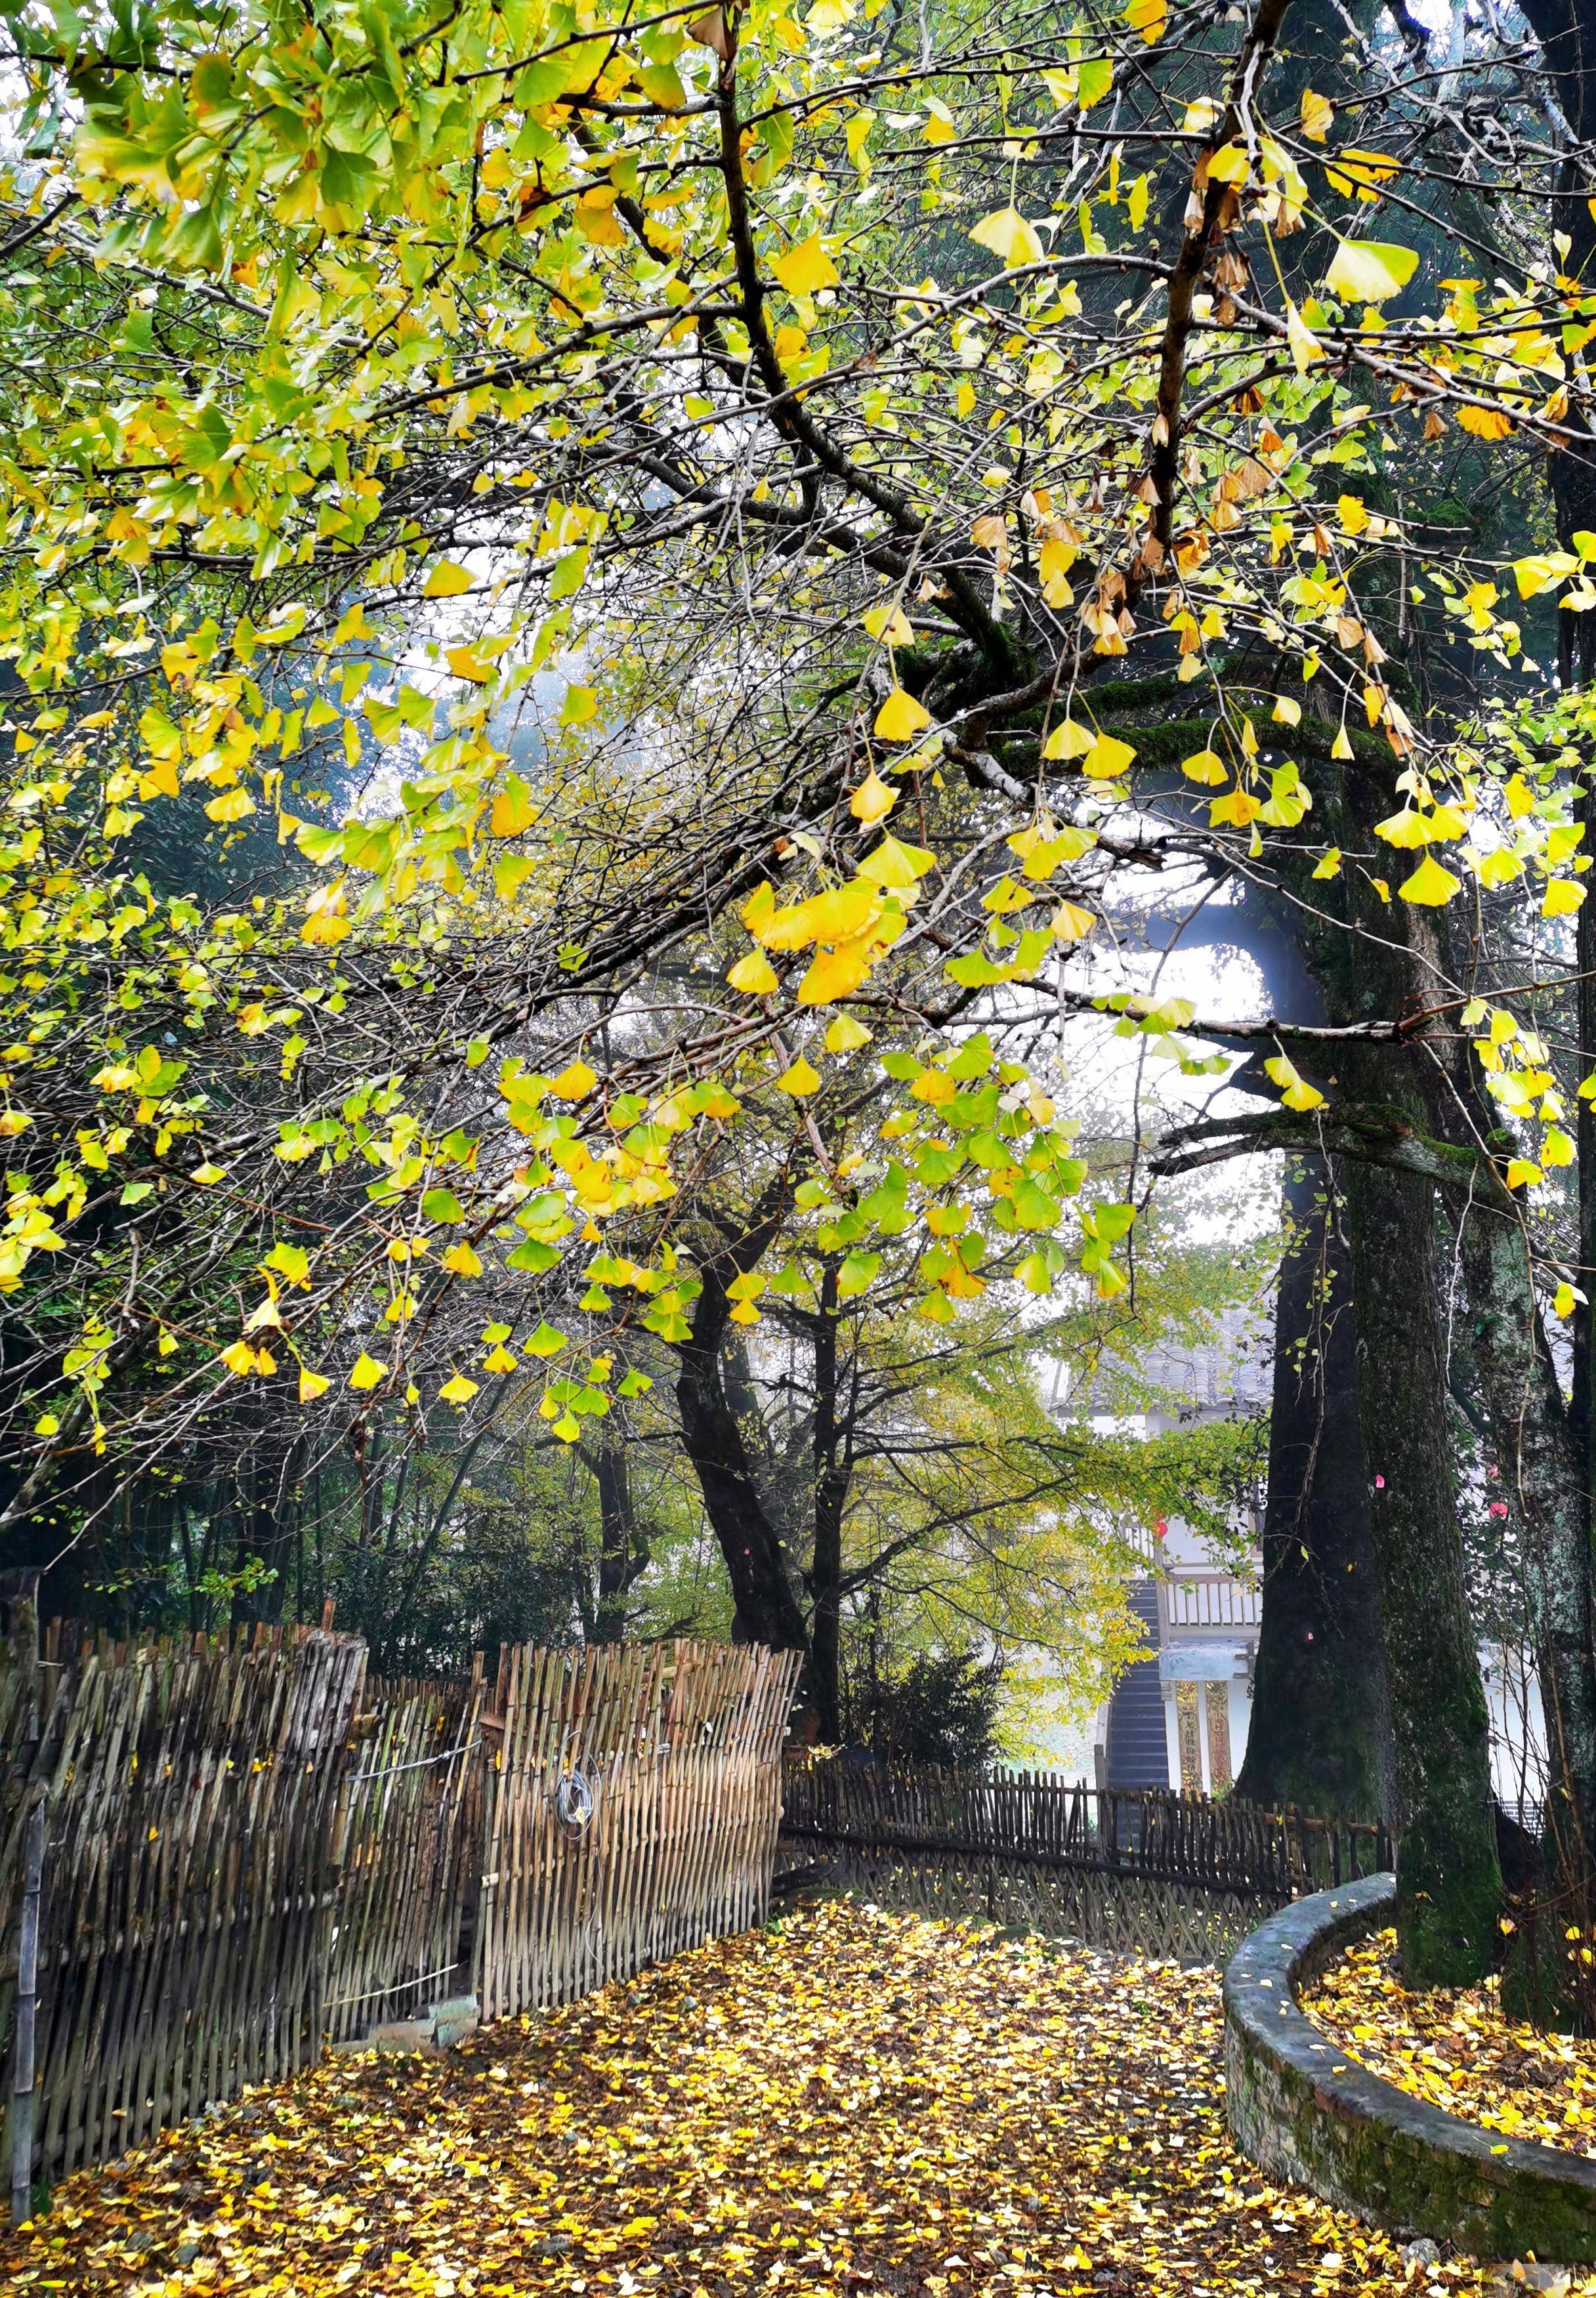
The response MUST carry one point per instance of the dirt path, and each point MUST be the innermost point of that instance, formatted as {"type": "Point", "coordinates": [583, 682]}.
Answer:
{"type": "Point", "coordinates": [850, 2102]}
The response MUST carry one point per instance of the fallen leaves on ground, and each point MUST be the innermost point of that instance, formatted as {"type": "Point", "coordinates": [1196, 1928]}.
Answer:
{"type": "Point", "coordinates": [1453, 2047]}
{"type": "Point", "coordinates": [849, 2101]}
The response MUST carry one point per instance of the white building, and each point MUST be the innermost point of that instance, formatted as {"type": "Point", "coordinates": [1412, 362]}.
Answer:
{"type": "Point", "coordinates": [1179, 1718]}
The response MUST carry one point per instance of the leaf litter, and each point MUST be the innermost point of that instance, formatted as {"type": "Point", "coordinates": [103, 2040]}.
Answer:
{"type": "Point", "coordinates": [847, 2102]}
{"type": "Point", "coordinates": [1456, 2047]}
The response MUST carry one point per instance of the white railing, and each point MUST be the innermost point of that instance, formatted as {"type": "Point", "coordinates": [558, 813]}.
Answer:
{"type": "Point", "coordinates": [1207, 1600]}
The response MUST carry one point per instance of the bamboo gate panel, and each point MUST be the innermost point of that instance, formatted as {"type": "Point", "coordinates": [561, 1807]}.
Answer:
{"type": "Point", "coordinates": [1147, 1872]}
{"type": "Point", "coordinates": [634, 1798]}
{"type": "Point", "coordinates": [406, 1851]}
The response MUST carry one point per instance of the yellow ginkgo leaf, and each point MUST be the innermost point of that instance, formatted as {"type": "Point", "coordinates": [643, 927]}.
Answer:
{"type": "Point", "coordinates": [807, 267]}
{"type": "Point", "coordinates": [447, 580]}
{"type": "Point", "coordinates": [846, 1035]}
{"type": "Point", "coordinates": [799, 1079]}
{"type": "Point", "coordinates": [1521, 1171]}
{"type": "Point", "coordinates": [460, 1260]}
{"type": "Point", "coordinates": [1071, 922]}
{"type": "Point", "coordinates": [1409, 828]}
{"type": "Point", "coordinates": [1557, 1148]}
{"type": "Point", "coordinates": [1563, 897]}
{"type": "Point", "coordinates": [1430, 886]}
{"type": "Point", "coordinates": [366, 1372]}
{"type": "Point", "coordinates": [1009, 238]}
{"type": "Point", "coordinates": [1070, 739]}
{"type": "Point", "coordinates": [573, 1081]}
{"type": "Point", "coordinates": [1487, 423]}
{"type": "Point", "coordinates": [1303, 343]}
{"type": "Point", "coordinates": [835, 973]}
{"type": "Point", "coordinates": [1236, 808]}
{"type": "Point", "coordinates": [890, 624]}
{"type": "Point", "coordinates": [1353, 512]}
{"type": "Point", "coordinates": [1295, 1088]}
{"type": "Point", "coordinates": [232, 805]}
{"type": "Point", "coordinates": [1317, 115]}
{"type": "Point", "coordinates": [1147, 17]}
{"type": "Point", "coordinates": [1229, 164]}
{"type": "Point", "coordinates": [457, 1390]}
{"type": "Point", "coordinates": [1369, 270]}
{"type": "Point", "coordinates": [754, 975]}
{"type": "Point", "coordinates": [874, 800]}
{"type": "Point", "coordinates": [1205, 766]}
{"type": "Point", "coordinates": [311, 1385]}
{"type": "Point", "coordinates": [1286, 712]}
{"type": "Point", "coordinates": [512, 809]}
{"type": "Point", "coordinates": [1107, 757]}
{"type": "Point", "coordinates": [900, 717]}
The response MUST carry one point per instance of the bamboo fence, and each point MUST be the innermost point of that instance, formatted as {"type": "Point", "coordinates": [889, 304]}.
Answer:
{"type": "Point", "coordinates": [252, 1850]}
{"type": "Point", "coordinates": [1145, 1871]}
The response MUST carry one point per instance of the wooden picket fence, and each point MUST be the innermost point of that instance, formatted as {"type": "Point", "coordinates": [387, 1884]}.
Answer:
{"type": "Point", "coordinates": [254, 1850]}
{"type": "Point", "coordinates": [1133, 1870]}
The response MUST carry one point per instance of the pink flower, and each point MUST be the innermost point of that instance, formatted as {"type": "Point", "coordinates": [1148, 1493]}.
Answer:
{"type": "Point", "coordinates": [1161, 1530]}
{"type": "Point", "coordinates": [1379, 1484]}
{"type": "Point", "coordinates": [1499, 1507]}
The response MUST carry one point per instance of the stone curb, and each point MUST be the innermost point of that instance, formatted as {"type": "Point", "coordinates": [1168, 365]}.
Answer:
{"type": "Point", "coordinates": [1302, 2110]}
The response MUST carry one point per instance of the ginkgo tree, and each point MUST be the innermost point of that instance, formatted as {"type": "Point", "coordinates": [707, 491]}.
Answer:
{"type": "Point", "coordinates": [711, 538]}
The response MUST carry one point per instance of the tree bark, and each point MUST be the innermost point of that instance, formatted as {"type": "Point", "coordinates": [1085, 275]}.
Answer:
{"type": "Point", "coordinates": [768, 1610]}
{"type": "Point", "coordinates": [623, 1547]}
{"type": "Point", "coordinates": [831, 1495]}
{"type": "Point", "coordinates": [1318, 1734]}
{"type": "Point", "coordinates": [1448, 1885]}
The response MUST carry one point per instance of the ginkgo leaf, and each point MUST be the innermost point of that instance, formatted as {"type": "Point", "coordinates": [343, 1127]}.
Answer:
{"type": "Point", "coordinates": [1318, 113]}
{"type": "Point", "coordinates": [366, 1372]}
{"type": "Point", "coordinates": [1287, 711]}
{"type": "Point", "coordinates": [1522, 1172]}
{"type": "Point", "coordinates": [546, 1341]}
{"type": "Point", "coordinates": [1488, 423]}
{"type": "Point", "coordinates": [1068, 740]}
{"type": "Point", "coordinates": [900, 717]}
{"type": "Point", "coordinates": [835, 973]}
{"type": "Point", "coordinates": [1369, 270]}
{"type": "Point", "coordinates": [873, 799]}
{"type": "Point", "coordinates": [1563, 897]}
{"type": "Point", "coordinates": [1147, 17]}
{"type": "Point", "coordinates": [1107, 757]}
{"type": "Point", "coordinates": [1071, 922]}
{"type": "Point", "coordinates": [1009, 238]}
{"type": "Point", "coordinates": [458, 1390]}
{"type": "Point", "coordinates": [447, 580]}
{"type": "Point", "coordinates": [1295, 1088]}
{"type": "Point", "coordinates": [461, 1260]}
{"type": "Point", "coordinates": [754, 975]}
{"type": "Point", "coordinates": [1539, 573]}
{"type": "Point", "coordinates": [1407, 828]}
{"type": "Point", "coordinates": [232, 805]}
{"type": "Point", "coordinates": [846, 1035]}
{"type": "Point", "coordinates": [804, 269]}
{"type": "Point", "coordinates": [311, 1385]}
{"type": "Point", "coordinates": [573, 1082]}
{"type": "Point", "coordinates": [802, 1078]}
{"type": "Point", "coordinates": [896, 866]}
{"type": "Point", "coordinates": [1302, 341]}
{"type": "Point", "coordinates": [1430, 885]}
{"type": "Point", "coordinates": [1205, 766]}
{"type": "Point", "coordinates": [890, 624]}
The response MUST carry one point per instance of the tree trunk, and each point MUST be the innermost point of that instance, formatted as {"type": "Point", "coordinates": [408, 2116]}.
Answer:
{"type": "Point", "coordinates": [830, 1496]}
{"type": "Point", "coordinates": [1448, 1885]}
{"type": "Point", "coordinates": [1317, 1736]}
{"type": "Point", "coordinates": [768, 1610]}
{"type": "Point", "coordinates": [622, 1548]}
